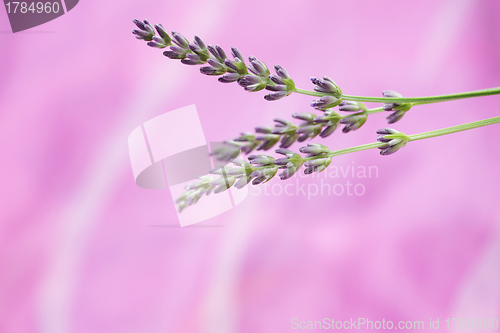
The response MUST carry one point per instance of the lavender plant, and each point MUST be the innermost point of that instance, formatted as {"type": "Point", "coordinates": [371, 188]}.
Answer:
{"type": "Point", "coordinates": [256, 76]}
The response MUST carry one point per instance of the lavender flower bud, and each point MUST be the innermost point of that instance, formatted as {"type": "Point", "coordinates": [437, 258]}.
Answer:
{"type": "Point", "coordinates": [268, 141]}
{"type": "Point", "coordinates": [309, 117]}
{"type": "Point", "coordinates": [325, 102]}
{"type": "Point", "coordinates": [326, 86]}
{"type": "Point", "coordinates": [277, 79]}
{"type": "Point", "coordinates": [317, 165]}
{"type": "Point", "coordinates": [217, 52]}
{"type": "Point", "coordinates": [281, 72]}
{"type": "Point", "coordinates": [139, 24]}
{"type": "Point", "coordinates": [287, 140]}
{"type": "Point", "coordinates": [175, 53]}
{"type": "Point", "coordinates": [229, 77]}
{"type": "Point", "coordinates": [242, 182]}
{"type": "Point", "coordinates": [257, 67]}
{"type": "Point", "coordinates": [353, 123]}
{"type": "Point", "coordinates": [351, 106]}
{"type": "Point", "coordinates": [261, 160]}
{"type": "Point", "coordinates": [268, 173]}
{"type": "Point", "coordinates": [180, 40]}
{"type": "Point", "coordinates": [274, 96]}
{"type": "Point", "coordinates": [237, 54]}
{"type": "Point", "coordinates": [392, 139]}
{"type": "Point", "coordinates": [192, 59]}
{"type": "Point", "coordinates": [252, 82]}
{"type": "Point", "coordinates": [236, 66]}
{"type": "Point", "coordinates": [163, 34]}
{"type": "Point", "coordinates": [277, 87]}
{"type": "Point", "coordinates": [395, 116]}
{"type": "Point", "coordinates": [288, 172]}
{"type": "Point", "coordinates": [207, 70]}
{"type": "Point", "coordinates": [263, 130]}
{"type": "Point", "coordinates": [285, 152]}
{"type": "Point", "coordinates": [328, 130]}
{"type": "Point", "coordinates": [314, 149]}
{"type": "Point", "coordinates": [399, 108]}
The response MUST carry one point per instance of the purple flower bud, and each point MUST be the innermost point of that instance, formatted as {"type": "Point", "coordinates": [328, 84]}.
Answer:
{"type": "Point", "coordinates": [281, 161]}
{"type": "Point", "coordinates": [192, 59]}
{"type": "Point", "coordinates": [242, 182]}
{"type": "Point", "coordinates": [258, 181]}
{"type": "Point", "coordinates": [258, 67]}
{"type": "Point", "coordinates": [288, 172]}
{"type": "Point", "coordinates": [282, 121]}
{"type": "Point", "coordinates": [277, 87]}
{"type": "Point", "coordinates": [141, 34]}
{"type": "Point", "coordinates": [163, 33]}
{"type": "Point", "coordinates": [229, 77]}
{"type": "Point", "coordinates": [263, 130]}
{"type": "Point", "coordinates": [328, 130]}
{"type": "Point", "coordinates": [275, 95]}
{"type": "Point", "coordinates": [248, 80]}
{"type": "Point", "coordinates": [277, 79]}
{"type": "Point", "coordinates": [157, 45]}
{"type": "Point", "coordinates": [387, 131]}
{"type": "Point", "coordinates": [325, 102]}
{"type": "Point", "coordinates": [326, 86]}
{"type": "Point", "coordinates": [199, 42]}
{"type": "Point", "coordinates": [281, 72]}
{"type": "Point", "coordinates": [353, 123]}
{"type": "Point", "coordinates": [303, 137]}
{"type": "Point", "coordinates": [261, 160]}
{"type": "Point", "coordinates": [237, 54]}
{"type": "Point", "coordinates": [215, 63]}
{"type": "Point", "coordinates": [180, 40]}
{"type": "Point", "coordinates": [304, 116]}
{"type": "Point", "coordinates": [314, 149]}
{"type": "Point", "coordinates": [395, 117]}
{"type": "Point", "coordinates": [391, 94]}
{"type": "Point", "coordinates": [350, 106]}
{"type": "Point", "coordinates": [283, 151]}
{"type": "Point", "coordinates": [174, 54]}
{"type": "Point", "coordinates": [212, 71]}
{"type": "Point", "coordinates": [139, 24]}
{"type": "Point", "coordinates": [287, 140]}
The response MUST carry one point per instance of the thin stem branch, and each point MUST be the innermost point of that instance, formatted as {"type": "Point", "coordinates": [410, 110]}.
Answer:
{"type": "Point", "coordinates": [455, 129]}
{"type": "Point", "coordinates": [419, 100]}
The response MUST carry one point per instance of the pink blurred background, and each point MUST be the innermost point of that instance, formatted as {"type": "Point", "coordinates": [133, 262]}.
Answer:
{"type": "Point", "coordinates": [83, 249]}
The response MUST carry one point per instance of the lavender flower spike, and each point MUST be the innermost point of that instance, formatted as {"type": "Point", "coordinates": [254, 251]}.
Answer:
{"type": "Point", "coordinates": [353, 122]}
{"type": "Point", "coordinates": [351, 106]}
{"type": "Point", "coordinates": [399, 108]}
{"type": "Point", "coordinates": [281, 84]}
{"type": "Point", "coordinates": [326, 86]}
{"type": "Point", "coordinates": [392, 139]}
{"type": "Point", "coordinates": [325, 102]}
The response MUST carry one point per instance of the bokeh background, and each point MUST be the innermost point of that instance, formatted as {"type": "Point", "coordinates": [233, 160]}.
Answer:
{"type": "Point", "coordinates": [83, 249]}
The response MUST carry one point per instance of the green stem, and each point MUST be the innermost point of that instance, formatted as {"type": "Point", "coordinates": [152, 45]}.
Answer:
{"type": "Point", "coordinates": [414, 137]}
{"type": "Point", "coordinates": [420, 100]}
{"type": "Point", "coordinates": [455, 129]}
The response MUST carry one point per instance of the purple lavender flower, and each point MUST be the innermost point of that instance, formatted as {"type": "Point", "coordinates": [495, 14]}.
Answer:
{"type": "Point", "coordinates": [252, 82]}
{"type": "Point", "coordinates": [291, 164]}
{"type": "Point", "coordinates": [392, 139]}
{"type": "Point", "coordinates": [325, 102]}
{"type": "Point", "coordinates": [326, 86]}
{"type": "Point", "coordinates": [314, 149]}
{"type": "Point", "coordinates": [399, 108]}
{"type": "Point", "coordinates": [281, 84]}
{"type": "Point", "coordinates": [353, 122]}
{"type": "Point", "coordinates": [145, 31]}
{"type": "Point", "coordinates": [351, 106]}
{"type": "Point", "coordinates": [317, 165]}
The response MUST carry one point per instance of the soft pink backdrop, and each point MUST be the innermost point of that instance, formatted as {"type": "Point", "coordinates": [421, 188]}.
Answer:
{"type": "Point", "coordinates": [83, 249]}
